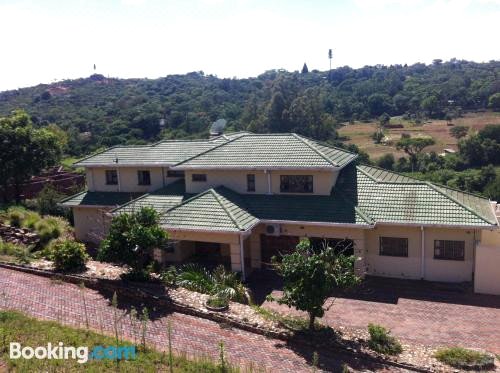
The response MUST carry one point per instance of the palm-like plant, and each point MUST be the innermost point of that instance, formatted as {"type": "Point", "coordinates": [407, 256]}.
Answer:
{"type": "Point", "coordinates": [219, 282]}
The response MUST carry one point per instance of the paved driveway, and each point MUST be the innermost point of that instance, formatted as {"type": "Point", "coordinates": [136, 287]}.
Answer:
{"type": "Point", "coordinates": [46, 299]}
{"type": "Point", "coordinates": [432, 314]}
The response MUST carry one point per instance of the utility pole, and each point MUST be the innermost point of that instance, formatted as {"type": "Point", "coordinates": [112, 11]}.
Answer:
{"type": "Point", "coordinates": [330, 55]}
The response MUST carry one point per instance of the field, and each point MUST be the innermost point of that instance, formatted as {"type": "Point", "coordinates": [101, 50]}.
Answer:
{"type": "Point", "coordinates": [360, 133]}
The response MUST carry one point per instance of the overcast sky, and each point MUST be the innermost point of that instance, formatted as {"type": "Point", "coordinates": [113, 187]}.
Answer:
{"type": "Point", "coordinates": [47, 40]}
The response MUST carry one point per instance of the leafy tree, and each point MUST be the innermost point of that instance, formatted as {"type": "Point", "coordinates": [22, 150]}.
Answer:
{"type": "Point", "coordinates": [431, 106]}
{"type": "Point", "coordinates": [26, 150]}
{"type": "Point", "coordinates": [494, 101]}
{"type": "Point", "coordinates": [413, 146]}
{"type": "Point", "coordinates": [459, 131]}
{"type": "Point", "coordinates": [309, 277]}
{"type": "Point", "coordinates": [384, 120]}
{"type": "Point", "coordinates": [386, 161]}
{"type": "Point", "coordinates": [305, 70]}
{"type": "Point", "coordinates": [379, 103]}
{"type": "Point", "coordinates": [132, 238]}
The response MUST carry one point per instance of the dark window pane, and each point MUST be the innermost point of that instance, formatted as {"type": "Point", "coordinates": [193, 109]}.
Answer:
{"type": "Point", "coordinates": [296, 184]}
{"type": "Point", "coordinates": [250, 183]}
{"type": "Point", "coordinates": [144, 178]}
{"type": "Point", "coordinates": [393, 246]}
{"type": "Point", "coordinates": [449, 250]}
{"type": "Point", "coordinates": [199, 177]}
{"type": "Point", "coordinates": [111, 177]}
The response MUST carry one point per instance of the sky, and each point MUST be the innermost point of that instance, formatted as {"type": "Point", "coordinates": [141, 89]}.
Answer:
{"type": "Point", "coordinates": [48, 40]}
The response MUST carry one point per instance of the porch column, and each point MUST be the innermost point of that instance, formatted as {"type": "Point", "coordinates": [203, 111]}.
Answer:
{"type": "Point", "coordinates": [235, 257]}
{"type": "Point", "coordinates": [255, 250]}
{"type": "Point", "coordinates": [359, 254]}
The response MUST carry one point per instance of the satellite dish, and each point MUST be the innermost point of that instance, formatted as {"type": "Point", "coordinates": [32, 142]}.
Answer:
{"type": "Point", "coordinates": [218, 126]}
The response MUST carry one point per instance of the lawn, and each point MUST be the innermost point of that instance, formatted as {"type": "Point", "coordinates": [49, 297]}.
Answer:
{"type": "Point", "coordinates": [360, 133]}
{"type": "Point", "coordinates": [15, 327]}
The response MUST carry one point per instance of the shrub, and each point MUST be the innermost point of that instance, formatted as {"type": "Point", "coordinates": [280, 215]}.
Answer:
{"type": "Point", "coordinates": [218, 282]}
{"type": "Point", "coordinates": [20, 252]}
{"type": "Point", "coordinates": [217, 301]}
{"type": "Point", "coordinates": [15, 216]}
{"type": "Point", "coordinates": [69, 255]}
{"type": "Point", "coordinates": [382, 341]}
{"type": "Point", "coordinates": [47, 201]}
{"type": "Point", "coordinates": [31, 218]}
{"type": "Point", "coordinates": [462, 358]}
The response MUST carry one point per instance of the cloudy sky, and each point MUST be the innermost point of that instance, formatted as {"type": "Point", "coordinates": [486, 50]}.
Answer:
{"type": "Point", "coordinates": [47, 40]}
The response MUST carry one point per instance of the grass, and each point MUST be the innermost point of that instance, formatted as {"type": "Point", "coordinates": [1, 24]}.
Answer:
{"type": "Point", "coordinates": [12, 253]}
{"type": "Point", "coordinates": [16, 327]}
{"type": "Point", "coordinates": [292, 323]}
{"type": "Point", "coordinates": [459, 357]}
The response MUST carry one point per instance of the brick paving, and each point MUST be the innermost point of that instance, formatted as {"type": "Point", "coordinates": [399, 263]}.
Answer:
{"type": "Point", "coordinates": [417, 312]}
{"type": "Point", "coordinates": [63, 302]}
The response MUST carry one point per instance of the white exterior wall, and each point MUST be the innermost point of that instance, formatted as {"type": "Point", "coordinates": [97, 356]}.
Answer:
{"type": "Point", "coordinates": [91, 224]}
{"type": "Point", "coordinates": [487, 266]}
{"type": "Point", "coordinates": [127, 179]}
{"type": "Point", "coordinates": [237, 180]}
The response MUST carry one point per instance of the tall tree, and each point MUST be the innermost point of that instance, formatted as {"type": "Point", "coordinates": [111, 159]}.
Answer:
{"type": "Point", "coordinates": [413, 146]}
{"type": "Point", "coordinates": [25, 151]}
{"type": "Point", "coordinates": [305, 70]}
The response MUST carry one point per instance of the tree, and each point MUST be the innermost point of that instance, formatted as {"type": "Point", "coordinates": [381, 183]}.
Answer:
{"type": "Point", "coordinates": [305, 70]}
{"type": "Point", "coordinates": [25, 151]}
{"type": "Point", "coordinates": [494, 101]}
{"type": "Point", "coordinates": [459, 131]}
{"type": "Point", "coordinates": [379, 103]}
{"type": "Point", "coordinates": [386, 161]}
{"type": "Point", "coordinates": [413, 146]}
{"type": "Point", "coordinates": [132, 238]}
{"type": "Point", "coordinates": [384, 120]}
{"type": "Point", "coordinates": [430, 105]}
{"type": "Point", "coordinates": [310, 276]}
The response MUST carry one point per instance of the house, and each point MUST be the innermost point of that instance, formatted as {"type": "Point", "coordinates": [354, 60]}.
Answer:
{"type": "Point", "coordinates": [245, 197]}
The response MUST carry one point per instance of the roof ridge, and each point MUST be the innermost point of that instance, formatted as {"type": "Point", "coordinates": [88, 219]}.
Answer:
{"type": "Point", "coordinates": [73, 196]}
{"type": "Point", "coordinates": [417, 181]}
{"type": "Point", "coordinates": [216, 196]}
{"type": "Point", "coordinates": [314, 149]}
{"type": "Point", "coordinates": [94, 154]}
{"type": "Point", "coordinates": [196, 196]}
{"type": "Point", "coordinates": [206, 151]}
{"type": "Point", "coordinates": [436, 188]}
{"type": "Point", "coordinates": [323, 143]}
{"type": "Point", "coordinates": [363, 214]}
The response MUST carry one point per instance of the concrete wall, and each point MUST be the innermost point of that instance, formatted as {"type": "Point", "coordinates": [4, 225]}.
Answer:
{"type": "Point", "coordinates": [487, 273]}
{"type": "Point", "coordinates": [91, 224]}
{"type": "Point", "coordinates": [410, 267]}
{"type": "Point", "coordinates": [237, 180]}
{"type": "Point", "coordinates": [127, 179]}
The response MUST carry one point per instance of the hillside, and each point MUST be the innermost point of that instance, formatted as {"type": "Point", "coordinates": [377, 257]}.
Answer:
{"type": "Point", "coordinates": [99, 111]}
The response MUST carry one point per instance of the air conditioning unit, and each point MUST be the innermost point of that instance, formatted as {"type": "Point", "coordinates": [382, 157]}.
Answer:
{"type": "Point", "coordinates": [273, 230]}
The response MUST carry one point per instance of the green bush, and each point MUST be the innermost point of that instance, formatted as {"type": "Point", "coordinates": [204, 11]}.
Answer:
{"type": "Point", "coordinates": [15, 216]}
{"type": "Point", "coordinates": [382, 341]}
{"type": "Point", "coordinates": [20, 252]}
{"type": "Point", "coordinates": [217, 301]}
{"type": "Point", "coordinates": [462, 358]}
{"type": "Point", "coordinates": [68, 255]}
{"type": "Point", "coordinates": [217, 282]}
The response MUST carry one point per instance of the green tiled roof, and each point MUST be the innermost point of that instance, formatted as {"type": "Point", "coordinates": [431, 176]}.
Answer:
{"type": "Point", "coordinates": [161, 200]}
{"type": "Point", "coordinates": [323, 209]}
{"type": "Point", "coordinates": [212, 210]}
{"type": "Point", "coordinates": [165, 152]}
{"type": "Point", "coordinates": [392, 198]}
{"type": "Point", "coordinates": [287, 151]}
{"type": "Point", "coordinates": [87, 198]}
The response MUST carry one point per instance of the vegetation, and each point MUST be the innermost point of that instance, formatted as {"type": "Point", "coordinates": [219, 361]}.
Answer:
{"type": "Point", "coordinates": [14, 253]}
{"type": "Point", "coordinates": [68, 255]}
{"type": "Point", "coordinates": [26, 151]}
{"type": "Point", "coordinates": [413, 146]}
{"type": "Point", "coordinates": [462, 358]}
{"type": "Point", "coordinates": [309, 277]}
{"type": "Point", "coordinates": [219, 282]}
{"type": "Point", "coordinates": [217, 301]}
{"type": "Point", "coordinates": [132, 239]}
{"type": "Point", "coordinates": [16, 327]}
{"type": "Point", "coordinates": [382, 341]}
{"type": "Point", "coordinates": [98, 112]}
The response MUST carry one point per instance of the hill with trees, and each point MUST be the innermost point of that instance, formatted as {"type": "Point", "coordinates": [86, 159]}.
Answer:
{"type": "Point", "coordinates": [98, 112]}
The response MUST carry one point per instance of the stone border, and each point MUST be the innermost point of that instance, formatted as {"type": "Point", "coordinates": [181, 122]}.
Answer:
{"type": "Point", "coordinates": [142, 294]}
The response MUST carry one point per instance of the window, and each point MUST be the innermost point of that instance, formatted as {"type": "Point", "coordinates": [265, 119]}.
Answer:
{"type": "Point", "coordinates": [175, 173]}
{"type": "Point", "coordinates": [111, 177]}
{"type": "Point", "coordinates": [296, 184]}
{"type": "Point", "coordinates": [393, 246]}
{"type": "Point", "coordinates": [199, 177]}
{"type": "Point", "coordinates": [144, 177]}
{"type": "Point", "coordinates": [449, 250]}
{"type": "Point", "coordinates": [250, 183]}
